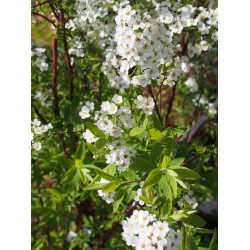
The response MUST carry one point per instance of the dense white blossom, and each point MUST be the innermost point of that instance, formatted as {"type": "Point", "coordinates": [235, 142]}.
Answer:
{"type": "Point", "coordinates": [143, 231]}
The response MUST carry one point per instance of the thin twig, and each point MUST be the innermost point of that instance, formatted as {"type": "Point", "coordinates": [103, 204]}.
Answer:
{"type": "Point", "coordinates": [39, 4]}
{"type": "Point", "coordinates": [39, 114]}
{"type": "Point", "coordinates": [54, 10]}
{"type": "Point", "coordinates": [156, 106]}
{"type": "Point", "coordinates": [170, 105]}
{"type": "Point", "coordinates": [44, 17]}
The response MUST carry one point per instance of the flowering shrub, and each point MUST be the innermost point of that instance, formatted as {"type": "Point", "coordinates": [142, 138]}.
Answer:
{"type": "Point", "coordinates": [124, 129]}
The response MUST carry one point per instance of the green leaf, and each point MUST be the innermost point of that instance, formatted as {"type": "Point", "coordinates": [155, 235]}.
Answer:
{"type": "Point", "coordinates": [96, 186]}
{"type": "Point", "coordinates": [156, 121]}
{"type": "Point", "coordinates": [153, 177]}
{"type": "Point", "coordinates": [214, 242]}
{"type": "Point", "coordinates": [74, 176]}
{"type": "Point", "coordinates": [185, 173]}
{"type": "Point", "coordinates": [102, 174]}
{"type": "Point", "coordinates": [156, 153]}
{"type": "Point", "coordinates": [111, 187]}
{"type": "Point", "coordinates": [166, 208]}
{"type": "Point", "coordinates": [204, 231]}
{"type": "Point", "coordinates": [195, 220]}
{"type": "Point", "coordinates": [101, 143]}
{"type": "Point", "coordinates": [166, 161]}
{"type": "Point", "coordinates": [199, 188]}
{"type": "Point", "coordinates": [177, 161]}
{"type": "Point", "coordinates": [164, 188]}
{"type": "Point", "coordinates": [92, 148]}
{"type": "Point", "coordinates": [118, 199]}
{"type": "Point", "coordinates": [145, 199]}
{"type": "Point", "coordinates": [178, 217]}
{"type": "Point", "coordinates": [155, 134]}
{"type": "Point", "coordinates": [142, 164]}
{"type": "Point", "coordinates": [80, 152]}
{"type": "Point", "coordinates": [94, 129]}
{"type": "Point", "coordinates": [182, 184]}
{"type": "Point", "coordinates": [137, 131]}
{"type": "Point", "coordinates": [172, 184]}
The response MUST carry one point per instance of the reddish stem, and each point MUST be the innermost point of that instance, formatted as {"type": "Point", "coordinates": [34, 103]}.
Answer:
{"type": "Point", "coordinates": [67, 57]}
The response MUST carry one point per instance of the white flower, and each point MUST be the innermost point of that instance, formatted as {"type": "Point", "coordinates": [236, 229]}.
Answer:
{"type": "Point", "coordinates": [37, 146]}
{"type": "Point", "coordinates": [70, 236]}
{"type": "Point", "coordinates": [38, 130]}
{"type": "Point", "coordinates": [117, 99]}
{"type": "Point", "coordinates": [84, 113]}
{"type": "Point", "coordinates": [204, 45]}
{"type": "Point", "coordinates": [89, 137]}
{"type": "Point", "coordinates": [36, 122]}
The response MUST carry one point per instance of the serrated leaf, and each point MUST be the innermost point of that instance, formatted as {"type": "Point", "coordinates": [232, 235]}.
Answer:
{"type": "Point", "coordinates": [153, 177]}
{"type": "Point", "coordinates": [185, 173]}
{"type": "Point", "coordinates": [94, 129]}
{"type": "Point", "coordinates": [177, 161]}
{"type": "Point", "coordinates": [136, 131]}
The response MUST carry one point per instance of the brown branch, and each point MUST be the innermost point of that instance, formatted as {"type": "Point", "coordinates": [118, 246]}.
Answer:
{"type": "Point", "coordinates": [54, 91]}
{"type": "Point", "coordinates": [54, 77]}
{"type": "Point", "coordinates": [44, 17]}
{"type": "Point", "coordinates": [39, 4]}
{"type": "Point", "coordinates": [170, 105]}
{"type": "Point", "coordinates": [39, 114]}
{"type": "Point", "coordinates": [156, 106]}
{"type": "Point", "coordinates": [54, 10]}
{"type": "Point", "coordinates": [67, 57]}
{"type": "Point", "coordinates": [113, 228]}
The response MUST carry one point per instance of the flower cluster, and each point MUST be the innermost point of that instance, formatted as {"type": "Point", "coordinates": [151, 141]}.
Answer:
{"type": "Point", "coordinates": [77, 48]}
{"type": "Point", "coordinates": [38, 130]}
{"type": "Point", "coordinates": [146, 104]}
{"type": "Point", "coordinates": [188, 199]}
{"type": "Point", "coordinates": [108, 197]}
{"type": "Point", "coordinates": [120, 155]}
{"type": "Point", "coordinates": [143, 231]}
{"type": "Point", "coordinates": [148, 41]}
{"type": "Point", "coordinates": [40, 61]}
